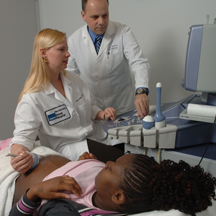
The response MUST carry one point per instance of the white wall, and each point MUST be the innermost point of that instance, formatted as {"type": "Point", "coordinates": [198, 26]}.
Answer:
{"type": "Point", "coordinates": [161, 27]}
{"type": "Point", "coordinates": [18, 28]}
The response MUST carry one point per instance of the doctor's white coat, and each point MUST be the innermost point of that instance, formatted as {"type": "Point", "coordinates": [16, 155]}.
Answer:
{"type": "Point", "coordinates": [108, 73]}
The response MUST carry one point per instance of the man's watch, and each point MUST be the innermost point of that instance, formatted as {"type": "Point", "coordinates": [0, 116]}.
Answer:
{"type": "Point", "coordinates": [141, 91]}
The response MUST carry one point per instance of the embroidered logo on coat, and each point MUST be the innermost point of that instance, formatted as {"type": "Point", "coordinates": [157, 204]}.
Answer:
{"type": "Point", "coordinates": [57, 114]}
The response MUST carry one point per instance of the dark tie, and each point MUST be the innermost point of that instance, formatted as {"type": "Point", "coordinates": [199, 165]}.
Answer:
{"type": "Point", "coordinates": [97, 43]}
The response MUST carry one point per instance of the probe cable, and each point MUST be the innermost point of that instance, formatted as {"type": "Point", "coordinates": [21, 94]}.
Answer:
{"type": "Point", "coordinates": [208, 140]}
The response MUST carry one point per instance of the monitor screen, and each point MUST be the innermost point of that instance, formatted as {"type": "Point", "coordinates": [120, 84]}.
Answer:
{"type": "Point", "coordinates": [200, 65]}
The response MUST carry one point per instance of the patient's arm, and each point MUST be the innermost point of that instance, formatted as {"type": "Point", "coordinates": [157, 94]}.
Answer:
{"type": "Point", "coordinates": [46, 190]}
{"type": "Point", "coordinates": [26, 207]}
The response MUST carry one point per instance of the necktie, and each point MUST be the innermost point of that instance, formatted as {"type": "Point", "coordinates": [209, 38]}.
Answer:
{"type": "Point", "coordinates": [97, 43]}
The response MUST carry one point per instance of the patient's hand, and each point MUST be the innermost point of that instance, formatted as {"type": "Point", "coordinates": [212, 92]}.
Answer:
{"type": "Point", "coordinates": [24, 161]}
{"type": "Point", "coordinates": [86, 155]}
{"type": "Point", "coordinates": [53, 189]}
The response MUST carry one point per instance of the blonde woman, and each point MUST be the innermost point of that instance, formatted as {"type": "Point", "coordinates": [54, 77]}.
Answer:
{"type": "Point", "coordinates": [54, 105]}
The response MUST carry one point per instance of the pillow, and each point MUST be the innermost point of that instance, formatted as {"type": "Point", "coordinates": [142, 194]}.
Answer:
{"type": "Point", "coordinates": [161, 213]}
{"type": "Point", "coordinates": [210, 211]}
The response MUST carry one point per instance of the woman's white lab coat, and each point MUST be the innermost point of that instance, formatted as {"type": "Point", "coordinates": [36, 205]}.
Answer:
{"type": "Point", "coordinates": [58, 121]}
{"type": "Point", "coordinates": [108, 73]}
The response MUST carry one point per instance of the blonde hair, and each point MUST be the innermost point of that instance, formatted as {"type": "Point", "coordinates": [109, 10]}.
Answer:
{"type": "Point", "coordinates": [39, 75]}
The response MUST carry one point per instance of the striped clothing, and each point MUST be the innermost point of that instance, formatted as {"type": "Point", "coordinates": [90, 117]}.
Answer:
{"type": "Point", "coordinates": [24, 207]}
{"type": "Point", "coordinates": [61, 207]}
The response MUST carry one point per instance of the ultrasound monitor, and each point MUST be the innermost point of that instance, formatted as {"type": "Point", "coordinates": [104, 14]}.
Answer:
{"type": "Point", "coordinates": [200, 65]}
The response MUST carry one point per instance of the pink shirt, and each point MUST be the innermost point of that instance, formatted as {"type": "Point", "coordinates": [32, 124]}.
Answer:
{"type": "Point", "coordinates": [84, 172]}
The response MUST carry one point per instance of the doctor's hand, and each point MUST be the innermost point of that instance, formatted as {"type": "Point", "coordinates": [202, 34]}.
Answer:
{"type": "Point", "coordinates": [142, 105]}
{"type": "Point", "coordinates": [54, 188]}
{"type": "Point", "coordinates": [24, 161]}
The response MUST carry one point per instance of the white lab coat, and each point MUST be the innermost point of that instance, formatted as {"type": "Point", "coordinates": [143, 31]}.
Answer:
{"type": "Point", "coordinates": [58, 121]}
{"type": "Point", "coordinates": [108, 73]}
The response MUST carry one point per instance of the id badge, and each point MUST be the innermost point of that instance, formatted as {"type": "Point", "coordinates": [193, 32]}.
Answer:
{"type": "Point", "coordinates": [57, 114]}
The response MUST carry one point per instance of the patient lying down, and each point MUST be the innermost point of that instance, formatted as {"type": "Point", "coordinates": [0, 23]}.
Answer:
{"type": "Point", "coordinates": [134, 183]}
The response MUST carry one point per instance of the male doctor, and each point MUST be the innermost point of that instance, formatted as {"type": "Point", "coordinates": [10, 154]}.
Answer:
{"type": "Point", "coordinates": [107, 71]}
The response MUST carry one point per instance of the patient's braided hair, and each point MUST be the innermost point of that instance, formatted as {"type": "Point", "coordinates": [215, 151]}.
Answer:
{"type": "Point", "coordinates": [168, 185]}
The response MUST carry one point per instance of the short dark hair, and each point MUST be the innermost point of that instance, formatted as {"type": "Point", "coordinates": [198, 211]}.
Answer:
{"type": "Point", "coordinates": [149, 186]}
{"type": "Point", "coordinates": [84, 2]}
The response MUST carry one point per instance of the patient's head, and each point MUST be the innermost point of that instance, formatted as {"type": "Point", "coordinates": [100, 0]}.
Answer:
{"type": "Point", "coordinates": [140, 184]}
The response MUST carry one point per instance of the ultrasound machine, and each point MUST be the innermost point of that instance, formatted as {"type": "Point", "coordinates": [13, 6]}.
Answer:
{"type": "Point", "coordinates": [182, 130]}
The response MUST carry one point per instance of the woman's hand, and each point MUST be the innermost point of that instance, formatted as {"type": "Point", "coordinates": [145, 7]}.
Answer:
{"type": "Point", "coordinates": [108, 113]}
{"type": "Point", "coordinates": [86, 155]}
{"type": "Point", "coordinates": [53, 189]}
{"type": "Point", "coordinates": [24, 161]}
